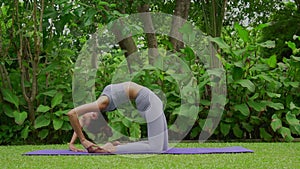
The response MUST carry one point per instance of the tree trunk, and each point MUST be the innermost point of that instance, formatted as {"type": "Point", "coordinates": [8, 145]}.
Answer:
{"type": "Point", "coordinates": [25, 56]}
{"type": "Point", "coordinates": [150, 37]}
{"type": "Point", "coordinates": [126, 43]}
{"type": "Point", "coordinates": [181, 10]}
{"type": "Point", "coordinates": [213, 13]}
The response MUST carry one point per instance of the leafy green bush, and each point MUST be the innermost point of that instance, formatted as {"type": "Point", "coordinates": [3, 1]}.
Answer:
{"type": "Point", "coordinates": [262, 92]}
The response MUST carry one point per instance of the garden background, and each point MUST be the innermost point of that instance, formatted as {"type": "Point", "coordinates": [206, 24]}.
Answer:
{"type": "Point", "coordinates": [257, 43]}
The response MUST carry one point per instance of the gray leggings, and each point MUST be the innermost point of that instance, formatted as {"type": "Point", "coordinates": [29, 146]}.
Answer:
{"type": "Point", "coordinates": [150, 108]}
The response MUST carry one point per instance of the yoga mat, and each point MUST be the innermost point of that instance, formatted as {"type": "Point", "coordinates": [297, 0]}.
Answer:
{"type": "Point", "coordinates": [170, 151]}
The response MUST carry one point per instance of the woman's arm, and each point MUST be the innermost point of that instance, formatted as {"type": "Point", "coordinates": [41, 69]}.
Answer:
{"type": "Point", "coordinates": [72, 146]}
{"type": "Point", "coordinates": [73, 117]}
{"type": "Point", "coordinates": [97, 106]}
{"type": "Point", "coordinates": [74, 137]}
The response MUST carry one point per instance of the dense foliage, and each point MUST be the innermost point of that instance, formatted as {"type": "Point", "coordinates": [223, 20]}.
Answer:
{"type": "Point", "coordinates": [40, 42]}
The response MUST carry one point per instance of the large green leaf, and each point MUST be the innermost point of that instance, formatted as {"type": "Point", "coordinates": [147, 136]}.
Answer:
{"type": "Point", "coordinates": [295, 129]}
{"type": "Point", "coordinates": [291, 45]}
{"type": "Point", "coordinates": [57, 99]}
{"type": "Point", "coordinates": [10, 97]}
{"type": "Point", "coordinates": [272, 61]}
{"type": "Point", "coordinates": [247, 126]}
{"type": "Point", "coordinates": [57, 123]}
{"type": "Point", "coordinates": [66, 126]}
{"type": "Point", "coordinates": [20, 117]}
{"type": "Point", "coordinates": [291, 119]}
{"type": "Point", "coordinates": [126, 122]}
{"type": "Point", "coordinates": [50, 93]}
{"type": "Point", "coordinates": [296, 58]}
{"type": "Point", "coordinates": [276, 123]}
{"type": "Point", "coordinates": [247, 84]}
{"type": "Point", "coordinates": [225, 128]}
{"type": "Point", "coordinates": [237, 131]}
{"type": "Point", "coordinates": [259, 67]}
{"type": "Point", "coordinates": [256, 105]}
{"type": "Point", "coordinates": [276, 106]}
{"type": "Point", "coordinates": [189, 53]}
{"type": "Point", "coordinates": [221, 43]}
{"type": "Point", "coordinates": [41, 121]}
{"type": "Point", "coordinates": [292, 84]}
{"type": "Point", "coordinates": [293, 106]}
{"type": "Point", "coordinates": [286, 134]}
{"type": "Point", "coordinates": [60, 113]}
{"type": "Point", "coordinates": [243, 33]}
{"type": "Point", "coordinates": [8, 110]}
{"type": "Point", "coordinates": [25, 132]}
{"type": "Point", "coordinates": [255, 96]}
{"type": "Point", "coordinates": [273, 95]}
{"type": "Point", "coordinates": [267, 44]}
{"type": "Point", "coordinates": [43, 108]}
{"type": "Point", "coordinates": [43, 133]}
{"type": "Point", "coordinates": [243, 108]}
{"type": "Point", "coordinates": [264, 134]}
{"type": "Point", "coordinates": [265, 77]}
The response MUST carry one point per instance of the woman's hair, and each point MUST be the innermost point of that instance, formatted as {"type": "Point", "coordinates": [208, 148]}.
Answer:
{"type": "Point", "coordinates": [99, 125]}
{"type": "Point", "coordinates": [87, 137]}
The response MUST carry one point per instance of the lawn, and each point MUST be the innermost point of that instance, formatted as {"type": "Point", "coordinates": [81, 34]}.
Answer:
{"type": "Point", "coordinates": [266, 155]}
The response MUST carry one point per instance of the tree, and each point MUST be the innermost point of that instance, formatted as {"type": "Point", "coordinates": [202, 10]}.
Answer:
{"type": "Point", "coordinates": [284, 25]}
{"type": "Point", "coordinates": [251, 12]}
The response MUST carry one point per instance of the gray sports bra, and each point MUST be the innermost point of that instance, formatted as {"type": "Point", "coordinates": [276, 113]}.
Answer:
{"type": "Point", "coordinates": [116, 95]}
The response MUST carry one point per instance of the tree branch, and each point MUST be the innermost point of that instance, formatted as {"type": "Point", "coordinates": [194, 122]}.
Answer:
{"type": "Point", "coordinates": [20, 51]}
{"type": "Point", "coordinates": [37, 40]}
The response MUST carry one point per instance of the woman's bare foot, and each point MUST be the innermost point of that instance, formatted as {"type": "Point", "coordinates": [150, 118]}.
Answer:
{"type": "Point", "coordinates": [109, 147]}
{"type": "Point", "coordinates": [116, 143]}
{"type": "Point", "coordinates": [96, 149]}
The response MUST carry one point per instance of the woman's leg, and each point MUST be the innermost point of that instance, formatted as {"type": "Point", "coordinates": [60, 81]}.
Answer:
{"type": "Point", "coordinates": [156, 127]}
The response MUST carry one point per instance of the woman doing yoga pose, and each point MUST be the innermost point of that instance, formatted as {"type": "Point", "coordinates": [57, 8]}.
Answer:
{"type": "Point", "coordinates": [113, 96]}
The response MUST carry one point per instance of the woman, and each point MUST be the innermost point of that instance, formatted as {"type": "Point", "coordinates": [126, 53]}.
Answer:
{"type": "Point", "coordinates": [147, 103]}
{"type": "Point", "coordinates": [93, 124]}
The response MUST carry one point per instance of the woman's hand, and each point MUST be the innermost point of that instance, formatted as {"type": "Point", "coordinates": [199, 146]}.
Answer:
{"type": "Point", "coordinates": [73, 148]}
{"type": "Point", "coordinates": [86, 143]}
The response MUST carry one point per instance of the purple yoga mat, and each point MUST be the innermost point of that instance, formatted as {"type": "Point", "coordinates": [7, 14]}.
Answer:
{"type": "Point", "coordinates": [170, 151]}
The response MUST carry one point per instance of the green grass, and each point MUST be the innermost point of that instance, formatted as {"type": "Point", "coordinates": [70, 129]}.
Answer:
{"type": "Point", "coordinates": [266, 155]}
